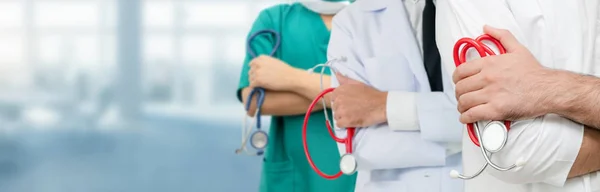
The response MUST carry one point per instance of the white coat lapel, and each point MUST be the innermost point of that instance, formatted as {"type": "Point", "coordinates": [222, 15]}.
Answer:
{"type": "Point", "coordinates": [397, 38]}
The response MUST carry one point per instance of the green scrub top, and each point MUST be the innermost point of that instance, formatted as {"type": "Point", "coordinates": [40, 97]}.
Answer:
{"type": "Point", "coordinates": [304, 40]}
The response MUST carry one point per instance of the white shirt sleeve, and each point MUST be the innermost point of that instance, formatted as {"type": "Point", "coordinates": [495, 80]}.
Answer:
{"type": "Point", "coordinates": [549, 143]}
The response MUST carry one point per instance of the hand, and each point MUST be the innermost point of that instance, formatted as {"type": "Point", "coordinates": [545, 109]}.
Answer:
{"type": "Point", "coordinates": [358, 105]}
{"type": "Point", "coordinates": [504, 87]}
{"type": "Point", "coordinates": [271, 73]}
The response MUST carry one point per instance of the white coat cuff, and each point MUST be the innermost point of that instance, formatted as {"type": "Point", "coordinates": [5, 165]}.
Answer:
{"type": "Point", "coordinates": [401, 111]}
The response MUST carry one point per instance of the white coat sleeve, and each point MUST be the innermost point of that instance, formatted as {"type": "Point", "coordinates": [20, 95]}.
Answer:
{"type": "Point", "coordinates": [377, 147]}
{"type": "Point", "coordinates": [434, 114]}
{"type": "Point", "coordinates": [549, 143]}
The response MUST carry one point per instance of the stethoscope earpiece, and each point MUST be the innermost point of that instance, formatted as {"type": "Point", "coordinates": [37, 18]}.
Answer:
{"type": "Point", "coordinates": [454, 174]}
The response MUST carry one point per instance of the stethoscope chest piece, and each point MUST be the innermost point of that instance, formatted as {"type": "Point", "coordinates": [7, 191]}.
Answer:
{"type": "Point", "coordinates": [259, 140]}
{"type": "Point", "coordinates": [348, 164]}
{"type": "Point", "coordinates": [494, 136]}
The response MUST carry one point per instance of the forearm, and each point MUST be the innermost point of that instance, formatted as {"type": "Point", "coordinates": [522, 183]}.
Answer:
{"type": "Point", "coordinates": [577, 97]}
{"type": "Point", "coordinates": [588, 159]}
{"type": "Point", "coordinates": [309, 86]}
{"type": "Point", "coordinates": [279, 103]}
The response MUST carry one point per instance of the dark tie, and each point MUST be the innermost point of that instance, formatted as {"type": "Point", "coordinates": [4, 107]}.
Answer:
{"type": "Point", "coordinates": [431, 55]}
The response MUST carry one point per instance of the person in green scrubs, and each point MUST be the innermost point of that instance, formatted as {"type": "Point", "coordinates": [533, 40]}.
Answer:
{"type": "Point", "coordinates": [305, 30]}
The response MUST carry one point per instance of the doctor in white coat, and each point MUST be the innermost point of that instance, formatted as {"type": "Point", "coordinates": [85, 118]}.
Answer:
{"type": "Point", "coordinates": [559, 35]}
{"type": "Point", "coordinates": [420, 143]}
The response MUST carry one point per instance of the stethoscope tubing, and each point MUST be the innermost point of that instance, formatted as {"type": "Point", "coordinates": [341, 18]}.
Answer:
{"type": "Point", "coordinates": [347, 141]}
{"type": "Point", "coordinates": [473, 129]}
{"type": "Point", "coordinates": [247, 129]}
{"type": "Point", "coordinates": [460, 57]}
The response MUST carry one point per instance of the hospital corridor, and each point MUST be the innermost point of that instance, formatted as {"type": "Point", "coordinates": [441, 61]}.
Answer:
{"type": "Point", "coordinates": [123, 95]}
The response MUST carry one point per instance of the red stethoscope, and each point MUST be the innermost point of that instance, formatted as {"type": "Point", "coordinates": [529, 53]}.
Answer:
{"type": "Point", "coordinates": [494, 135]}
{"type": "Point", "coordinates": [348, 163]}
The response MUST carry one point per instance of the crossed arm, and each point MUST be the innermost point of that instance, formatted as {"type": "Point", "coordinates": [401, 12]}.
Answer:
{"type": "Point", "coordinates": [284, 103]}
{"type": "Point", "coordinates": [579, 103]}
{"type": "Point", "coordinates": [515, 86]}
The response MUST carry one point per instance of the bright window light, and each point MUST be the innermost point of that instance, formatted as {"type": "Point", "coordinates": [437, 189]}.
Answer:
{"type": "Point", "coordinates": [51, 49]}
{"type": "Point", "coordinates": [11, 14]}
{"type": "Point", "coordinates": [158, 48]}
{"type": "Point", "coordinates": [61, 14]}
{"type": "Point", "coordinates": [85, 50]}
{"type": "Point", "coordinates": [222, 14]}
{"type": "Point", "coordinates": [109, 51]}
{"type": "Point", "coordinates": [158, 14]}
{"type": "Point", "coordinates": [198, 50]}
{"type": "Point", "coordinates": [110, 14]}
{"type": "Point", "coordinates": [236, 49]}
{"type": "Point", "coordinates": [11, 49]}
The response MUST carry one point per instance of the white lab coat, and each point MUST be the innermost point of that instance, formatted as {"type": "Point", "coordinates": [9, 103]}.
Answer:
{"type": "Point", "coordinates": [381, 50]}
{"type": "Point", "coordinates": [562, 34]}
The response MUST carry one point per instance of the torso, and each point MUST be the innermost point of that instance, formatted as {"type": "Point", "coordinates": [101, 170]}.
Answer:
{"type": "Point", "coordinates": [305, 37]}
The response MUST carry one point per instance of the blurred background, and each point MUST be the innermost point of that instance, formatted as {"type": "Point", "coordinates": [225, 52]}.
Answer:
{"type": "Point", "coordinates": [123, 95]}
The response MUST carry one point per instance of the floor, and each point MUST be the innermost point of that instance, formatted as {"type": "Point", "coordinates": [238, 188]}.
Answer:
{"type": "Point", "coordinates": [164, 154]}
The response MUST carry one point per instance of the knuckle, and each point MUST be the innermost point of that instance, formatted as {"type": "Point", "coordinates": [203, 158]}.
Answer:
{"type": "Point", "coordinates": [504, 32]}
{"type": "Point", "coordinates": [489, 78]}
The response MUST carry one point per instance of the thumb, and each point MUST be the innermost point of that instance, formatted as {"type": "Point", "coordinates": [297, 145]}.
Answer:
{"type": "Point", "coordinates": [508, 40]}
{"type": "Point", "coordinates": [343, 79]}
{"type": "Point", "coordinates": [477, 113]}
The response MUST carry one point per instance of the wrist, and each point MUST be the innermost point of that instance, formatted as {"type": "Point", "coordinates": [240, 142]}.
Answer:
{"type": "Point", "coordinates": [575, 95]}
{"type": "Point", "coordinates": [381, 109]}
{"type": "Point", "coordinates": [562, 96]}
{"type": "Point", "coordinates": [296, 79]}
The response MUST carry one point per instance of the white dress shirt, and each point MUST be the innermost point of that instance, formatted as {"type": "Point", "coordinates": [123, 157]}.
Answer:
{"type": "Point", "coordinates": [561, 34]}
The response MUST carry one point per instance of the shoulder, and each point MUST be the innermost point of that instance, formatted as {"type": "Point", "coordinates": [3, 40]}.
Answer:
{"type": "Point", "coordinates": [278, 13]}
{"type": "Point", "coordinates": [362, 11]}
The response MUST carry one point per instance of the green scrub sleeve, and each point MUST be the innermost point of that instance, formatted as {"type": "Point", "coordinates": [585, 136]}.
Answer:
{"type": "Point", "coordinates": [261, 45]}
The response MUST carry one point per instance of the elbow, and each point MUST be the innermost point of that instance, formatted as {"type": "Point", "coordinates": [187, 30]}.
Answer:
{"type": "Point", "coordinates": [548, 145]}
{"type": "Point", "coordinates": [438, 118]}
{"type": "Point", "coordinates": [444, 128]}
{"type": "Point", "coordinates": [250, 108]}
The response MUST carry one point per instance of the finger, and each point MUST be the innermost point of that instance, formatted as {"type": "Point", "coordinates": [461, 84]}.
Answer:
{"type": "Point", "coordinates": [472, 99]}
{"type": "Point", "coordinates": [478, 113]}
{"type": "Point", "coordinates": [508, 40]}
{"type": "Point", "coordinates": [344, 80]}
{"type": "Point", "coordinates": [253, 62]}
{"type": "Point", "coordinates": [341, 124]}
{"type": "Point", "coordinates": [334, 106]}
{"type": "Point", "coordinates": [332, 97]}
{"type": "Point", "coordinates": [337, 117]}
{"type": "Point", "coordinates": [467, 69]}
{"type": "Point", "coordinates": [469, 84]}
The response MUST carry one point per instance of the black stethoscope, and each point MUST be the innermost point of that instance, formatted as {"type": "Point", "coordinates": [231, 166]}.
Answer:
{"type": "Point", "coordinates": [259, 138]}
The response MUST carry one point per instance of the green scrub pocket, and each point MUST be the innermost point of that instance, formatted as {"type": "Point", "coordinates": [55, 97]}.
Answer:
{"type": "Point", "coordinates": [277, 177]}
